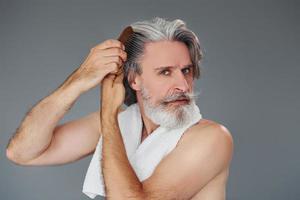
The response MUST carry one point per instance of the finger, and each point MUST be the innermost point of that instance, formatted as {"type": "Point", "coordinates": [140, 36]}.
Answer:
{"type": "Point", "coordinates": [113, 69]}
{"type": "Point", "coordinates": [119, 71]}
{"type": "Point", "coordinates": [111, 52]}
{"type": "Point", "coordinates": [115, 52]}
{"type": "Point", "coordinates": [109, 44]}
{"type": "Point", "coordinates": [112, 59]}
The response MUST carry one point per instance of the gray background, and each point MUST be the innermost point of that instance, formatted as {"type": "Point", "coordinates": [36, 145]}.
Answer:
{"type": "Point", "coordinates": [250, 83]}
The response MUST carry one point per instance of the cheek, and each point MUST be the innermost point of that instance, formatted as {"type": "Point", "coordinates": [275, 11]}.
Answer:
{"type": "Point", "coordinates": [157, 90]}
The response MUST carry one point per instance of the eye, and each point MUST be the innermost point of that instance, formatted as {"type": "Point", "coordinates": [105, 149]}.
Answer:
{"type": "Point", "coordinates": [186, 70]}
{"type": "Point", "coordinates": [165, 72]}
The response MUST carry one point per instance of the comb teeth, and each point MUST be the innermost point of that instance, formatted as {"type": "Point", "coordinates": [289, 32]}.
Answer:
{"type": "Point", "coordinates": [123, 38]}
{"type": "Point", "coordinates": [125, 34]}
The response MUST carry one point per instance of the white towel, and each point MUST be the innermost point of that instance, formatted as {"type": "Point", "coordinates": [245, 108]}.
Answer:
{"type": "Point", "coordinates": [143, 157]}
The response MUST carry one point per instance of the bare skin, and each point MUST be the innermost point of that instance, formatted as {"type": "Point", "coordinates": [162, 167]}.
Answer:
{"type": "Point", "coordinates": [204, 153]}
{"type": "Point", "coordinates": [60, 144]}
{"type": "Point", "coordinates": [39, 140]}
{"type": "Point", "coordinates": [213, 187]}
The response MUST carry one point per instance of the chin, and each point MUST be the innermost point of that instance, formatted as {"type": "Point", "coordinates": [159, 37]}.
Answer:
{"type": "Point", "coordinates": [177, 117]}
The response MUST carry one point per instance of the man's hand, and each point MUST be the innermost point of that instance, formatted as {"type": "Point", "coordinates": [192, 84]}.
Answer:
{"type": "Point", "coordinates": [37, 140]}
{"type": "Point", "coordinates": [103, 59]}
{"type": "Point", "coordinates": [112, 94]}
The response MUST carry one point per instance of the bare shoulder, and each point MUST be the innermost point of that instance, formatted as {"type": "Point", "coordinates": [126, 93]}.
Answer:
{"type": "Point", "coordinates": [201, 158]}
{"type": "Point", "coordinates": [206, 128]}
{"type": "Point", "coordinates": [207, 123]}
{"type": "Point", "coordinates": [211, 137]}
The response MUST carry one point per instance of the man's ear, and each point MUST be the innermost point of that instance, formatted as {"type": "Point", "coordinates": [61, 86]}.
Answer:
{"type": "Point", "coordinates": [135, 81]}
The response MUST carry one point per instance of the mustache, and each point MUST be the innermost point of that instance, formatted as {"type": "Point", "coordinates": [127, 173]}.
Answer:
{"type": "Point", "coordinates": [181, 96]}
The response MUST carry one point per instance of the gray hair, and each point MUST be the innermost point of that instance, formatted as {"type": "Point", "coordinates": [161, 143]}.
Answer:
{"type": "Point", "coordinates": [154, 30]}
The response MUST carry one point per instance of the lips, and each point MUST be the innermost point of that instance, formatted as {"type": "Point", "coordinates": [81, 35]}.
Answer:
{"type": "Point", "coordinates": [179, 101]}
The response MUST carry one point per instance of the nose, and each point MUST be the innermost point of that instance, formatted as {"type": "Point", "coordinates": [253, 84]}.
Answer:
{"type": "Point", "coordinates": [181, 83]}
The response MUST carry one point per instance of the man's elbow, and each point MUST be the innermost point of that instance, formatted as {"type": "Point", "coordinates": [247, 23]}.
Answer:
{"type": "Point", "coordinates": [14, 159]}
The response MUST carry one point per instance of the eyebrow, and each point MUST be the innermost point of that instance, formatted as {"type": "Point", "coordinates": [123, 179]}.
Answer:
{"type": "Point", "coordinates": [169, 67]}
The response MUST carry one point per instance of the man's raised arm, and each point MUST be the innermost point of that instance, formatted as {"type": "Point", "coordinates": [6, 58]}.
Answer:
{"type": "Point", "coordinates": [39, 141]}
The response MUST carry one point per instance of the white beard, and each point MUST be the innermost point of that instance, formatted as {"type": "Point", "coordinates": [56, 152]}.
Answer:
{"type": "Point", "coordinates": [166, 116]}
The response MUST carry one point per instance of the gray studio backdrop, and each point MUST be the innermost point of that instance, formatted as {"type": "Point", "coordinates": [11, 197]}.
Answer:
{"type": "Point", "coordinates": [250, 83]}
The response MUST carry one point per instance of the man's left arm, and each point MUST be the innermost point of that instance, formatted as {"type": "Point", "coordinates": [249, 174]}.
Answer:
{"type": "Point", "coordinates": [121, 181]}
{"type": "Point", "coordinates": [199, 164]}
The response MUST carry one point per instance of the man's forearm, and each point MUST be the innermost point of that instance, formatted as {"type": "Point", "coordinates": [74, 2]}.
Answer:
{"type": "Point", "coordinates": [34, 134]}
{"type": "Point", "coordinates": [120, 179]}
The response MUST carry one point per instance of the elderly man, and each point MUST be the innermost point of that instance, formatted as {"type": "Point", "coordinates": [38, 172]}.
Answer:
{"type": "Point", "coordinates": [154, 69]}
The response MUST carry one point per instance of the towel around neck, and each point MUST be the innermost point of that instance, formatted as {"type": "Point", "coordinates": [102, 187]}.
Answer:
{"type": "Point", "coordinates": [143, 156]}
